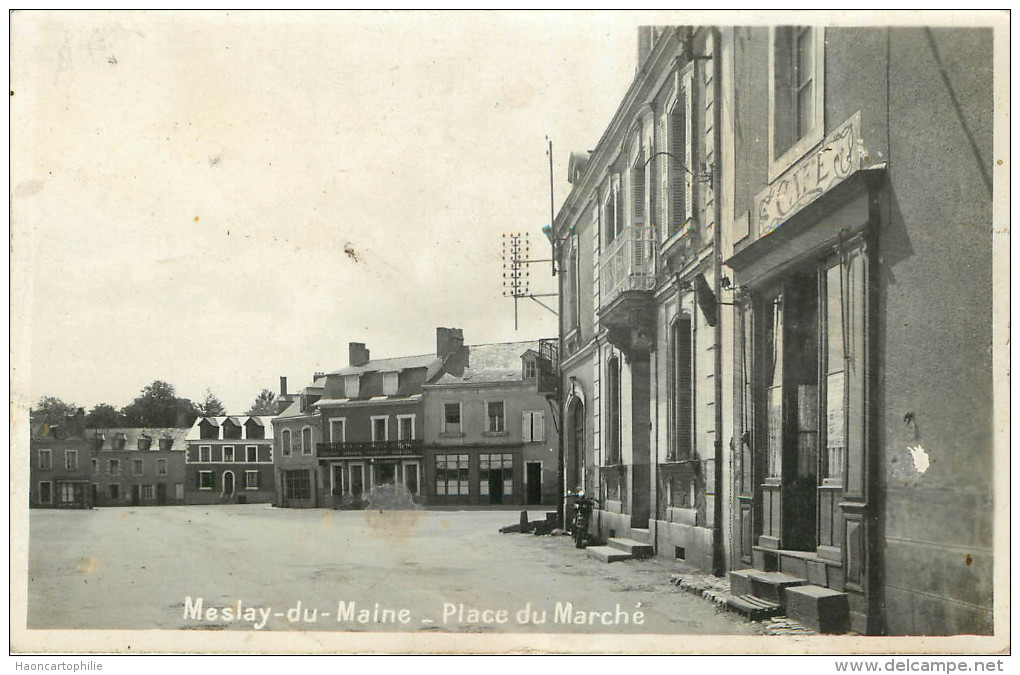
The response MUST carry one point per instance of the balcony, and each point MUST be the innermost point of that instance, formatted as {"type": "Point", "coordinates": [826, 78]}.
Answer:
{"type": "Point", "coordinates": [627, 279]}
{"type": "Point", "coordinates": [548, 366]}
{"type": "Point", "coordinates": [370, 449]}
{"type": "Point", "coordinates": [628, 264]}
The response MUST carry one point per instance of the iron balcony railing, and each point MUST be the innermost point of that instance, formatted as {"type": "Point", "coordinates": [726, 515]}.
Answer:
{"type": "Point", "coordinates": [628, 264]}
{"type": "Point", "coordinates": [370, 448]}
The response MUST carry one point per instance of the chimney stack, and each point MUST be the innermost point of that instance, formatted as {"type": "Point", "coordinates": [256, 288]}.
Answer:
{"type": "Point", "coordinates": [283, 386]}
{"type": "Point", "coordinates": [448, 341]}
{"type": "Point", "coordinates": [644, 44]}
{"type": "Point", "coordinates": [358, 354]}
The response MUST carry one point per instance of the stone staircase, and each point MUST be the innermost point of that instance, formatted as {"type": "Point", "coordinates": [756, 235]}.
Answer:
{"type": "Point", "coordinates": [620, 548]}
{"type": "Point", "coordinates": [760, 595]}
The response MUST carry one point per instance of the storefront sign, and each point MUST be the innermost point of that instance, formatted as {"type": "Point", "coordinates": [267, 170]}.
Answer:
{"type": "Point", "coordinates": [811, 177]}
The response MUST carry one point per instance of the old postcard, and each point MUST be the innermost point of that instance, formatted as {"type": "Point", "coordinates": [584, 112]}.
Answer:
{"type": "Point", "coordinates": [501, 332]}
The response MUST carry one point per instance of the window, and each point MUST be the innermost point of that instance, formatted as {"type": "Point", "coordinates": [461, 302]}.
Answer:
{"type": "Point", "coordinates": [389, 383]}
{"type": "Point", "coordinates": [251, 453]}
{"type": "Point", "coordinates": [296, 485]}
{"type": "Point", "coordinates": [71, 460]}
{"type": "Point", "coordinates": [306, 441]}
{"type": "Point", "coordinates": [533, 427]}
{"type": "Point", "coordinates": [231, 430]}
{"type": "Point", "coordinates": [488, 478]}
{"type": "Point", "coordinates": [681, 389]}
{"type": "Point", "coordinates": [45, 459]}
{"type": "Point", "coordinates": [251, 480]}
{"type": "Point", "coordinates": [45, 492]}
{"type": "Point", "coordinates": [676, 180]}
{"type": "Point", "coordinates": [451, 418]}
{"type": "Point", "coordinates": [352, 386]}
{"type": "Point", "coordinates": [113, 467]}
{"type": "Point", "coordinates": [138, 467]}
{"type": "Point", "coordinates": [337, 430]}
{"type": "Point", "coordinates": [285, 442]}
{"type": "Point", "coordinates": [205, 453]}
{"type": "Point", "coordinates": [120, 442]}
{"type": "Point", "coordinates": [613, 453]}
{"type": "Point", "coordinates": [254, 429]}
{"type": "Point", "coordinates": [797, 83]}
{"type": "Point", "coordinates": [95, 466]}
{"type": "Point", "coordinates": [209, 431]}
{"type": "Point", "coordinates": [144, 442]}
{"type": "Point", "coordinates": [637, 191]}
{"type": "Point", "coordinates": [113, 489]}
{"type": "Point", "coordinates": [497, 419]}
{"type": "Point", "coordinates": [166, 444]}
{"type": "Point", "coordinates": [228, 453]}
{"type": "Point", "coordinates": [835, 374]}
{"type": "Point", "coordinates": [148, 492]}
{"type": "Point", "coordinates": [405, 427]}
{"type": "Point", "coordinates": [611, 222]}
{"type": "Point", "coordinates": [206, 480]}
{"type": "Point", "coordinates": [452, 474]}
{"type": "Point", "coordinates": [530, 369]}
{"type": "Point", "coordinates": [380, 429]}
{"type": "Point", "coordinates": [161, 467]}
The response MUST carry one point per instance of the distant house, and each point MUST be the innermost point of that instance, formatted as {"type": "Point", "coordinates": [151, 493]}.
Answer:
{"type": "Point", "coordinates": [488, 434]}
{"type": "Point", "coordinates": [300, 480]}
{"type": "Point", "coordinates": [136, 466]}
{"type": "Point", "coordinates": [59, 467]}
{"type": "Point", "coordinates": [229, 460]}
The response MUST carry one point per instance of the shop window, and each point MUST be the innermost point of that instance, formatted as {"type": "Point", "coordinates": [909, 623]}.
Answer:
{"type": "Point", "coordinates": [496, 471]}
{"type": "Point", "coordinates": [452, 474]}
{"type": "Point", "coordinates": [296, 485]}
{"type": "Point", "coordinates": [835, 374]}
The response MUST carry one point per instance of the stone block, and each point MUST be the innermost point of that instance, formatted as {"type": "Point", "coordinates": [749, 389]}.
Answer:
{"type": "Point", "coordinates": [817, 573]}
{"type": "Point", "coordinates": [823, 609]}
{"type": "Point", "coordinates": [797, 567]}
{"type": "Point", "coordinates": [740, 582]}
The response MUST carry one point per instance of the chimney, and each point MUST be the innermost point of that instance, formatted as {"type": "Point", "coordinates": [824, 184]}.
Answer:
{"type": "Point", "coordinates": [317, 374]}
{"type": "Point", "coordinates": [358, 354]}
{"type": "Point", "coordinates": [448, 341]}
{"type": "Point", "coordinates": [283, 386]}
{"type": "Point", "coordinates": [644, 44]}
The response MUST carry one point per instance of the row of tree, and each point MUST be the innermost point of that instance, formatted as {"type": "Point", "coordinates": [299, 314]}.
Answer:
{"type": "Point", "coordinates": [156, 406]}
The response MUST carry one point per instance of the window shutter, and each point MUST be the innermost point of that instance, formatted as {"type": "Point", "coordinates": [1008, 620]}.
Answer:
{"type": "Point", "coordinates": [526, 427]}
{"type": "Point", "coordinates": [688, 155]}
{"type": "Point", "coordinates": [662, 163]}
{"type": "Point", "coordinates": [638, 193]}
{"type": "Point", "coordinates": [678, 184]}
{"type": "Point", "coordinates": [539, 429]}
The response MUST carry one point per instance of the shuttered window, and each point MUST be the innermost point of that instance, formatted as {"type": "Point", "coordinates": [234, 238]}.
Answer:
{"type": "Point", "coordinates": [681, 400]}
{"type": "Point", "coordinates": [533, 427]}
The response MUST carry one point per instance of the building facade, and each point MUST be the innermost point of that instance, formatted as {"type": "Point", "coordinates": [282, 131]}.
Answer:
{"type": "Point", "coordinates": [60, 460]}
{"type": "Point", "coordinates": [136, 467]}
{"type": "Point", "coordinates": [757, 315]}
{"type": "Point", "coordinates": [230, 461]}
{"type": "Point", "coordinates": [301, 481]}
{"type": "Point", "coordinates": [489, 439]}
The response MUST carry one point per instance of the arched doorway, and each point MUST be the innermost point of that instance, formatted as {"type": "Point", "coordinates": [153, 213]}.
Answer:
{"type": "Point", "coordinates": [228, 483]}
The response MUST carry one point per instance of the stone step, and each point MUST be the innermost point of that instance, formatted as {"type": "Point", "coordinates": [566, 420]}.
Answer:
{"type": "Point", "coordinates": [823, 609]}
{"type": "Point", "coordinates": [754, 608]}
{"type": "Point", "coordinates": [607, 554]}
{"type": "Point", "coordinates": [772, 586]}
{"type": "Point", "coordinates": [636, 548]}
{"type": "Point", "coordinates": [643, 535]}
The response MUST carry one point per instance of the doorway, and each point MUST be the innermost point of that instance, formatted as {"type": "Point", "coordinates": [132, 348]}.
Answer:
{"type": "Point", "coordinates": [385, 474]}
{"type": "Point", "coordinates": [161, 493]}
{"type": "Point", "coordinates": [533, 482]}
{"type": "Point", "coordinates": [495, 486]}
{"type": "Point", "coordinates": [228, 483]}
{"type": "Point", "coordinates": [357, 472]}
{"type": "Point", "coordinates": [136, 495]}
{"type": "Point", "coordinates": [411, 477]}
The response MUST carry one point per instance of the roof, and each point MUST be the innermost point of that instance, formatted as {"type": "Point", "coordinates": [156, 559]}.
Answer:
{"type": "Point", "coordinates": [391, 365]}
{"type": "Point", "coordinates": [131, 436]}
{"type": "Point", "coordinates": [491, 363]}
{"type": "Point", "coordinates": [293, 411]}
{"type": "Point", "coordinates": [410, 398]}
{"type": "Point", "coordinates": [265, 421]}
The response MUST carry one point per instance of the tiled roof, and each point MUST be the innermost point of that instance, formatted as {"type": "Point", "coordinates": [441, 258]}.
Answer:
{"type": "Point", "coordinates": [131, 436]}
{"type": "Point", "coordinates": [194, 434]}
{"type": "Point", "coordinates": [499, 362]}
{"type": "Point", "coordinates": [390, 365]}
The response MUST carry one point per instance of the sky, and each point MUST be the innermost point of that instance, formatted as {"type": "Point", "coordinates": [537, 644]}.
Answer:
{"type": "Point", "coordinates": [217, 199]}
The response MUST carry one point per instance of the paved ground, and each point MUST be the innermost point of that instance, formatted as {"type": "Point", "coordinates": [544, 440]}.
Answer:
{"type": "Point", "coordinates": [136, 568]}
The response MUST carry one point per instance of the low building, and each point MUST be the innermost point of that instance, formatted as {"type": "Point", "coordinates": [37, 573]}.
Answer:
{"type": "Point", "coordinates": [230, 460]}
{"type": "Point", "coordinates": [488, 435]}
{"type": "Point", "coordinates": [136, 466]}
{"type": "Point", "coordinates": [301, 482]}
{"type": "Point", "coordinates": [59, 466]}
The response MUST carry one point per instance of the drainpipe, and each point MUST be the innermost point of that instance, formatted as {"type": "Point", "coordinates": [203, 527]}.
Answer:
{"type": "Point", "coordinates": [718, 556]}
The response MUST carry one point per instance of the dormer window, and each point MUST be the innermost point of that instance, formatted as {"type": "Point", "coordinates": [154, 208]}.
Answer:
{"type": "Point", "coordinates": [144, 442]}
{"type": "Point", "coordinates": [389, 383]}
{"type": "Point", "coordinates": [166, 444]}
{"type": "Point", "coordinates": [352, 386]}
{"type": "Point", "coordinates": [208, 430]}
{"type": "Point", "coordinates": [254, 428]}
{"type": "Point", "coordinates": [231, 429]}
{"type": "Point", "coordinates": [530, 369]}
{"type": "Point", "coordinates": [97, 442]}
{"type": "Point", "coordinates": [120, 442]}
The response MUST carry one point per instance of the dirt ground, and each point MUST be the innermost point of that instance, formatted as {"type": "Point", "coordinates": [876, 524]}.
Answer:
{"type": "Point", "coordinates": [256, 567]}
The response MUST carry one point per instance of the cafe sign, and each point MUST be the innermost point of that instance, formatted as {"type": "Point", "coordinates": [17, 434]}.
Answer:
{"type": "Point", "coordinates": [811, 177]}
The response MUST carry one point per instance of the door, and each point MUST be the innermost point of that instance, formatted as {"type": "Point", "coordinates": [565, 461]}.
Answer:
{"type": "Point", "coordinates": [228, 483]}
{"type": "Point", "coordinates": [161, 493]}
{"type": "Point", "coordinates": [385, 474]}
{"type": "Point", "coordinates": [411, 477]}
{"type": "Point", "coordinates": [495, 486]}
{"type": "Point", "coordinates": [337, 480]}
{"type": "Point", "coordinates": [136, 495]}
{"type": "Point", "coordinates": [357, 479]}
{"type": "Point", "coordinates": [533, 481]}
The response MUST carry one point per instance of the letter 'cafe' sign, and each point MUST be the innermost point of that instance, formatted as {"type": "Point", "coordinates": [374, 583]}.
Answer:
{"type": "Point", "coordinates": [811, 177]}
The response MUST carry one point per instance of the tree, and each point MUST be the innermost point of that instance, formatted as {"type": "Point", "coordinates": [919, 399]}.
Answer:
{"type": "Point", "coordinates": [103, 416]}
{"type": "Point", "coordinates": [51, 411]}
{"type": "Point", "coordinates": [211, 406]}
{"type": "Point", "coordinates": [156, 406]}
{"type": "Point", "coordinates": [265, 403]}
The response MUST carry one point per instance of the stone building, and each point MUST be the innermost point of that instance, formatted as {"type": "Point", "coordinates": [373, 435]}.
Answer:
{"type": "Point", "coordinates": [230, 460]}
{"type": "Point", "coordinates": [59, 463]}
{"type": "Point", "coordinates": [300, 479]}
{"type": "Point", "coordinates": [767, 364]}
{"type": "Point", "coordinates": [137, 466]}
